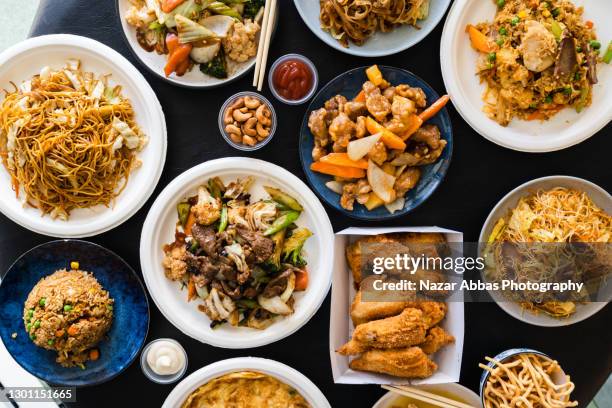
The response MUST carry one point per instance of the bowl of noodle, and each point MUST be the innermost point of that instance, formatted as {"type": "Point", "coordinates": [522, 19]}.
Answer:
{"type": "Point", "coordinates": [551, 229]}
{"type": "Point", "coordinates": [361, 28]}
{"type": "Point", "coordinates": [82, 136]}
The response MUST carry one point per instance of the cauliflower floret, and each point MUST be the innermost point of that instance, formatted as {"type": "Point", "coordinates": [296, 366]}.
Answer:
{"type": "Point", "coordinates": [208, 209]}
{"type": "Point", "coordinates": [241, 43]}
{"type": "Point", "coordinates": [140, 16]}
{"type": "Point", "coordinates": [174, 263]}
{"type": "Point", "coordinates": [260, 215]}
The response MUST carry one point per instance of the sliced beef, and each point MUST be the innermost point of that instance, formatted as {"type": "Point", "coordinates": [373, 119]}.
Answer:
{"type": "Point", "coordinates": [206, 238]}
{"type": "Point", "coordinates": [261, 247]}
{"type": "Point", "coordinates": [277, 285]}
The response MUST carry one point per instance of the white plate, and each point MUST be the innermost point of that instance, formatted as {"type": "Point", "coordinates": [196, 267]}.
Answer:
{"type": "Point", "coordinates": [155, 62]}
{"type": "Point", "coordinates": [280, 371]}
{"type": "Point", "coordinates": [159, 229]}
{"type": "Point", "coordinates": [391, 399]}
{"type": "Point", "coordinates": [600, 197]}
{"type": "Point", "coordinates": [380, 44]}
{"type": "Point", "coordinates": [25, 59]}
{"type": "Point", "coordinates": [567, 128]}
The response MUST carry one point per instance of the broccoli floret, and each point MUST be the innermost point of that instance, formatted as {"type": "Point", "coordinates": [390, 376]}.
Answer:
{"type": "Point", "coordinates": [292, 247]}
{"type": "Point", "coordinates": [217, 67]}
{"type": "Point", "coordinates": [252, 7]}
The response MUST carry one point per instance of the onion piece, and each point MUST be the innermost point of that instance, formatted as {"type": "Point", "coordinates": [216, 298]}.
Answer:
{"type": "Point", "coordinates": [274, 305]}
{"type": "Point", "coordinates": [381, 182]}
{"type": "Point", "coordinates": [357, 149]}
{"type": "Point", "coordinates": [289, 289]}
{"type": "Point", "coordinates": [335, 186]}
{"type": "Point", "coordinates": [396, 205]}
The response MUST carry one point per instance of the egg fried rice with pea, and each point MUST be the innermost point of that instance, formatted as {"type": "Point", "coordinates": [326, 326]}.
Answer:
{"type": "Point", "coordinates": [69, 312]}
{"type": "Point", "coordinates": [537, 57]}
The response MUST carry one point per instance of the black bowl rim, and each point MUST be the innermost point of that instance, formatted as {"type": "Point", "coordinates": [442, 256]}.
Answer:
{"type": "Point", "coordinates": [133, 357]}
{"type": "Point", "coordinates": [351, 214]}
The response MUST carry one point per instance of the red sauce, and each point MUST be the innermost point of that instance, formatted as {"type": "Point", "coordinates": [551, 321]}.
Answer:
{"type": "Point", "coordinates": [292, 79]}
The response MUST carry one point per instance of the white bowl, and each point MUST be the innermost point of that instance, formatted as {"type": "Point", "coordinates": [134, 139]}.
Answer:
{"type": "Point", "coordinates": [159, 229]}
{"type": "Point", "coordinates": [25, 59]}
{"type": "Point", "coordinates": [599, 196]}
{"type": "Point", "coordinates": [380, 44]}
{"type": "Point", "coordinates": [155, 62]}
{"type": "Point", "coordinates": [468, 396]}
{"type": "Point", "coordinates": [567, 128]}
{"type": "Point", "coordinates": [280, 371]}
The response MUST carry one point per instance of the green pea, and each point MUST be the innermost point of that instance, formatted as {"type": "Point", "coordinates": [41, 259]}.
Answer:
{"type": "Point", "coordinates": [67, 308]}
{"type": "Point", "coordinates": [37, 324]}
{"type": "Point", "coordinates": [499, 41]}
{"type": "Point", "coordinates": [28, 327]}
{"type": "Point", "coordinates": [42, 302]}
{"type": "Point", "coordinates": [109, 307]}
{"type": "Point", "coordinates": [555, 12]}
{"type": "Point", "coordinates": [515, 20]}
{"type": "Point", "coordinates": [50, 342]}
{"type": "Point", "coordinates": [567, 90]}
{"type": "Point", "coordinates": [548, 99]}
{"type": "Point", "coordinates": [30, 313]}
{"type": "Point", "coordinates": [491, 57]}
{"type": "Point", "coordinates": [595, 44]}
{"type": "Point", "coordinates": [33, 336]}
{"type": "Point", "coordinates": [501, 3]}
{"type": "Point", "coordinates": [503, 31]}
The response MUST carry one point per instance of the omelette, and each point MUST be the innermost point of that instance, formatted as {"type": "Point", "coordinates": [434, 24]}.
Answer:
{"type": "Point", "coordinates": [245, 389]}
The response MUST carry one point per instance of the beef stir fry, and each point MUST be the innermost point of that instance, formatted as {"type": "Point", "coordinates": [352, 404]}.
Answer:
{"type": "Point", "coordinates": [243, 259]}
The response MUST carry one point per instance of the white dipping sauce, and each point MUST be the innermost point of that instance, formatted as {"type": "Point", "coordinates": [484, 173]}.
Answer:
{"type": "Point", "coordinates": [165, 358]}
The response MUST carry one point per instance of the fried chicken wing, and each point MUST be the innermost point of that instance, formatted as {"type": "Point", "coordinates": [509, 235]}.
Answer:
{"type": "Point", "coordinates": [354, 253]}
{"type": "Point", "coordinates": [408, 362]}
{"type": "Point", "coordinates": [436, 338]}
{"type": "Point", "coordinates": [406, 329]}
{"type": "Point", "coordinates": [433, 312]}
{"type": "Point", "coordinates": [365, 311]}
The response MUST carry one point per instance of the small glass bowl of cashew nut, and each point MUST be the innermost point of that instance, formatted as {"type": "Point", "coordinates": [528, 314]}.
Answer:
{"type": "Point", "coordinates": [247, 121]}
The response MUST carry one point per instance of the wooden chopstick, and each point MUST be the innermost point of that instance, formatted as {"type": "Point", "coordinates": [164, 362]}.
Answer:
{"type": "Point", "coordinates": [268, 39]}
{"type": "Point", "coordinates": [264, 29]}
{"type": "Point", "coordinates": [426, 396]}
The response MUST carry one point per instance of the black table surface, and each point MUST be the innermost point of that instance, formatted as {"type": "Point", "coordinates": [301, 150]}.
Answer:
{"type": "Point", "coordinates": [480, 174]}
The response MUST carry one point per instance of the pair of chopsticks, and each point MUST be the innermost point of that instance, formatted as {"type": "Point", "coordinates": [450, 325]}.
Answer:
{"type": "Point", "coordinates": [425, 396]}
{"type": "Point", "coordinates": [265, 36]}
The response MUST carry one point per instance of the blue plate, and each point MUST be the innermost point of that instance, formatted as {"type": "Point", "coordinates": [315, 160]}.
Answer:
{"type": "Point", "coordinates": [130, 321]}
{"type": "Point", "coordinates": [349, 84]}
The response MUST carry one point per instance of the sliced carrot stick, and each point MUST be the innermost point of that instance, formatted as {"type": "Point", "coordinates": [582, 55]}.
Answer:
{"type": "Point", "coordinates": [178, 54]}
{"type": "Point", "coordinates": [94, 354]}
{"type": "Point", "coordinates": [301, 280]}
{"type": "Point", "coordinates": [361, 97]}
{"type": "Point", "coordinates": [479, 41]}
{"type": "Point", "coordinates": [390, 139]}
{"type": "Point", "coordinates": [168, 5]}
{"type": "Point", "coordinates": [340, 171]}
{"type": "Point", "coordinates": [189, 223]}
{"type": "Point", "coordinates": [435, 107]}
{"type": "Point", "coordinates": [414, 123]}
{"type": "Point", "coordinates": [191, 290]}
{"type": "Point", "coordinates": [342, 159]}
{"type": "Point", "coordinates": [374, 75]}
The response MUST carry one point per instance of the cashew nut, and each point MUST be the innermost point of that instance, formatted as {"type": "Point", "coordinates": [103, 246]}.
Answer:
{"type": "Point", "coordinates": [236, 138]}
{"type": "Point", "coordinates": [248, 128]}
{"type": "Point", "coordinates": [251, 102]}
{"type": "Point", "coordinates": [263, 115]}
{"type": "Point", "coordinates": [262, 132]}
{"type": "Point", "coordinates": [232, 129]}
{"type": "Point", "coordinates": [251, 141]}
{"type": "Point", "coordinates": [227, 116]}
{"type": "Point", "coordinates": [237, 104]}
{"type": "Point", "coordinates": [241, 116]}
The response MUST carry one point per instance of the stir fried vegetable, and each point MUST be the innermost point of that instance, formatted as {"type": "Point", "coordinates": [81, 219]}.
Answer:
{"type": "Point", "coordinates": [292, 248]}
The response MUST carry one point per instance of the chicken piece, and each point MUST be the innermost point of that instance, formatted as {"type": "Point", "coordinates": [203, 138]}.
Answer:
{"type": "Point", "coordinates": [415, 94]}
{"type": "Point", "coordinates": [354, 109]}
{"type": "Point", "coordinates": [354, 191]}
{"type": "Point", "coordinates": [538, 47]}
{"type": "Point", "coordinates": [318, 126]}
{"type": "Point", "coordinates": [334, 106]}
{"type": "Point", "coordinates": [389, 93]}
{"type": "Point", "coordinates": [341, 130]}
{"type": "Point", "coordinates": [241, 43]}
{"type": "Point", "coordinates": [406, 329]}
{"type": "Point", "coordinates": [407, 180]}
{"type": "Point", "coordinates": [378, 153]}
{"type": "Point", "coordinates": [175, 267]}
{"type": "Point", "coordinates": [377, 105]}
{"type": "Point", "coordinates": [428, 134]}
{"type": "Point", "coordinates": [318, 152]}
{"type": "Point", "coordinates": [354, 253]}
{"type": "Point", "coordinates": [424, 154]}
{"type": "Point", "coordinates": [436, 338]}
{"type": "Point", "coordinates": [402, 109]}
{"type": "Point", "coordinates": [365, 311]}
{"type": "Point", "coordinates": [433, 312]}
{"type": "Point", "coordinates": [408, 362]}
{"type": "Point", "coordinates": [360, 127]}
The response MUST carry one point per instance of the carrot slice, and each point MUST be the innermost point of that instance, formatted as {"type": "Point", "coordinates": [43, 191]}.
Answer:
{"type": "Point", "coordinates": [435, 107]}
{"type": "Point", "coordinates": [361, 97]}
{"type": "Point", "coordinates": [414, 123]}
{"type": "Point", "coordinates": [178, 55]}
{"type": "Point", "coordinates": [479, 41]}
{"type": "Point", "coordinates": [342, 159]}
{"type": "Point", "coordinates": [94, 354]}
{"type": "Point", "coordinates": [191, 290]}
{"type": "Point", "coordinates": [189, 223]}
{"type": "Point", "coordinates": [340, 171]}
{"type": "Point", "coordinates": [390, 139]}
{"type": "Point", "coordinates": [374, 75]}
{"type": "Point", "coordinates": [301, 280]}
{"type": "Point", "coordinates": [73, 330]}
{"type": "Point", "coordinates": [168, 5]}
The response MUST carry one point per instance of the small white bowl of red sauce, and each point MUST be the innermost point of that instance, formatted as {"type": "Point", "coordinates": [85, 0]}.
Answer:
{"type": "Point", "coordinates": [293, 79]}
